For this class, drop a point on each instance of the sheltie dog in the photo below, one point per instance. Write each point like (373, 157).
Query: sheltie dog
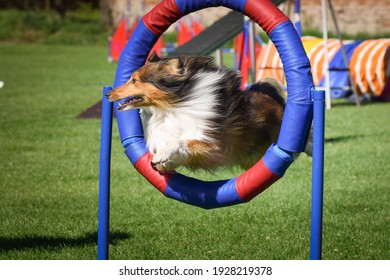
(194, 113)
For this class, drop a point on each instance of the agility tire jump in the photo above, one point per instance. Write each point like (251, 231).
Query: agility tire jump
(295, 125)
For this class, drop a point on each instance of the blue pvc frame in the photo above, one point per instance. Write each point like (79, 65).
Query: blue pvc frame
(298, 105)
(104, 177)
(317, 176)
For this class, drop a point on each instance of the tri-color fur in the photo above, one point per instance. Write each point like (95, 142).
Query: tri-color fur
(195, 114)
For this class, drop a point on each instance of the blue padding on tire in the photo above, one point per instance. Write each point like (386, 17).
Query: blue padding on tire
(293, 122)
(299, 109)
(203, 194)
(132, 140)
(277, 160)
(136, 149)
(187, 7)
(132, 58)
(135, 53)
(129, 125)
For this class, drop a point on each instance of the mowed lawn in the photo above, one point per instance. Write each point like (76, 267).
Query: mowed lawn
(49, 179)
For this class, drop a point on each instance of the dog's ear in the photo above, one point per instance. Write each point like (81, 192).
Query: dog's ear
(154, 57)
(174, 65)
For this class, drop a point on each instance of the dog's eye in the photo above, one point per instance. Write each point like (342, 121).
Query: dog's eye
(132, 81)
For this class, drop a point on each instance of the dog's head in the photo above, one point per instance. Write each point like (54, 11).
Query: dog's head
(160, 82)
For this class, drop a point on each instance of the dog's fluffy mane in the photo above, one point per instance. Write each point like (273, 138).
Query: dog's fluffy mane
(205, 102)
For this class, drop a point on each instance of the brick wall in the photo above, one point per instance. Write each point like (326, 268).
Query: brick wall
(353, 16)
(118, 8)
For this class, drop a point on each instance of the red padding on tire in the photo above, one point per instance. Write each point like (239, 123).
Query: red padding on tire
(265, 13)
(254, 181)
(163, 15)
(158, 180)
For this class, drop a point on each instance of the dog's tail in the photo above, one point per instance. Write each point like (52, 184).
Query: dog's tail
(272, 88)
(275, 90)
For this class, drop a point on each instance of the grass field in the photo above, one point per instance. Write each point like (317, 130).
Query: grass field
(49, 179)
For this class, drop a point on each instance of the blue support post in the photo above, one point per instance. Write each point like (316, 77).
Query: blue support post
(104, 177)
(317, 175)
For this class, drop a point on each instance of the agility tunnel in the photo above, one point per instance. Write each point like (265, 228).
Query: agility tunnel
(368, 66)
(302, 101)
(368, 61)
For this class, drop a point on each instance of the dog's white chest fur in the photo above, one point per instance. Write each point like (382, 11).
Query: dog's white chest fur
(164, 129)
(167, 131)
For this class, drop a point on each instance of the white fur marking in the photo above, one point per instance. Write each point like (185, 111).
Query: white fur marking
(165, 130)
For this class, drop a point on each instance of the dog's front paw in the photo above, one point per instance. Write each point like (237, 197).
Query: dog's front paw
(164, 167)
(168, 160)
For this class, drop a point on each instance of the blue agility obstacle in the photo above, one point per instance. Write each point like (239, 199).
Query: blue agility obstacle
(104, 177)
(294, 130)
(295, 125)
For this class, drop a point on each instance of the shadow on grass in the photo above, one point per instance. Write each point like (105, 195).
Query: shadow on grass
(47, 242)
(350, 102)
(343, 138)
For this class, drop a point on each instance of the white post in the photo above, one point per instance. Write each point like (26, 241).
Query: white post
(252, 50)
(219, 57)
(344, 53)
(326, 53)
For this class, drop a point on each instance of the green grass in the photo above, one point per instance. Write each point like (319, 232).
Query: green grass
(81, 27)
(49, 179)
